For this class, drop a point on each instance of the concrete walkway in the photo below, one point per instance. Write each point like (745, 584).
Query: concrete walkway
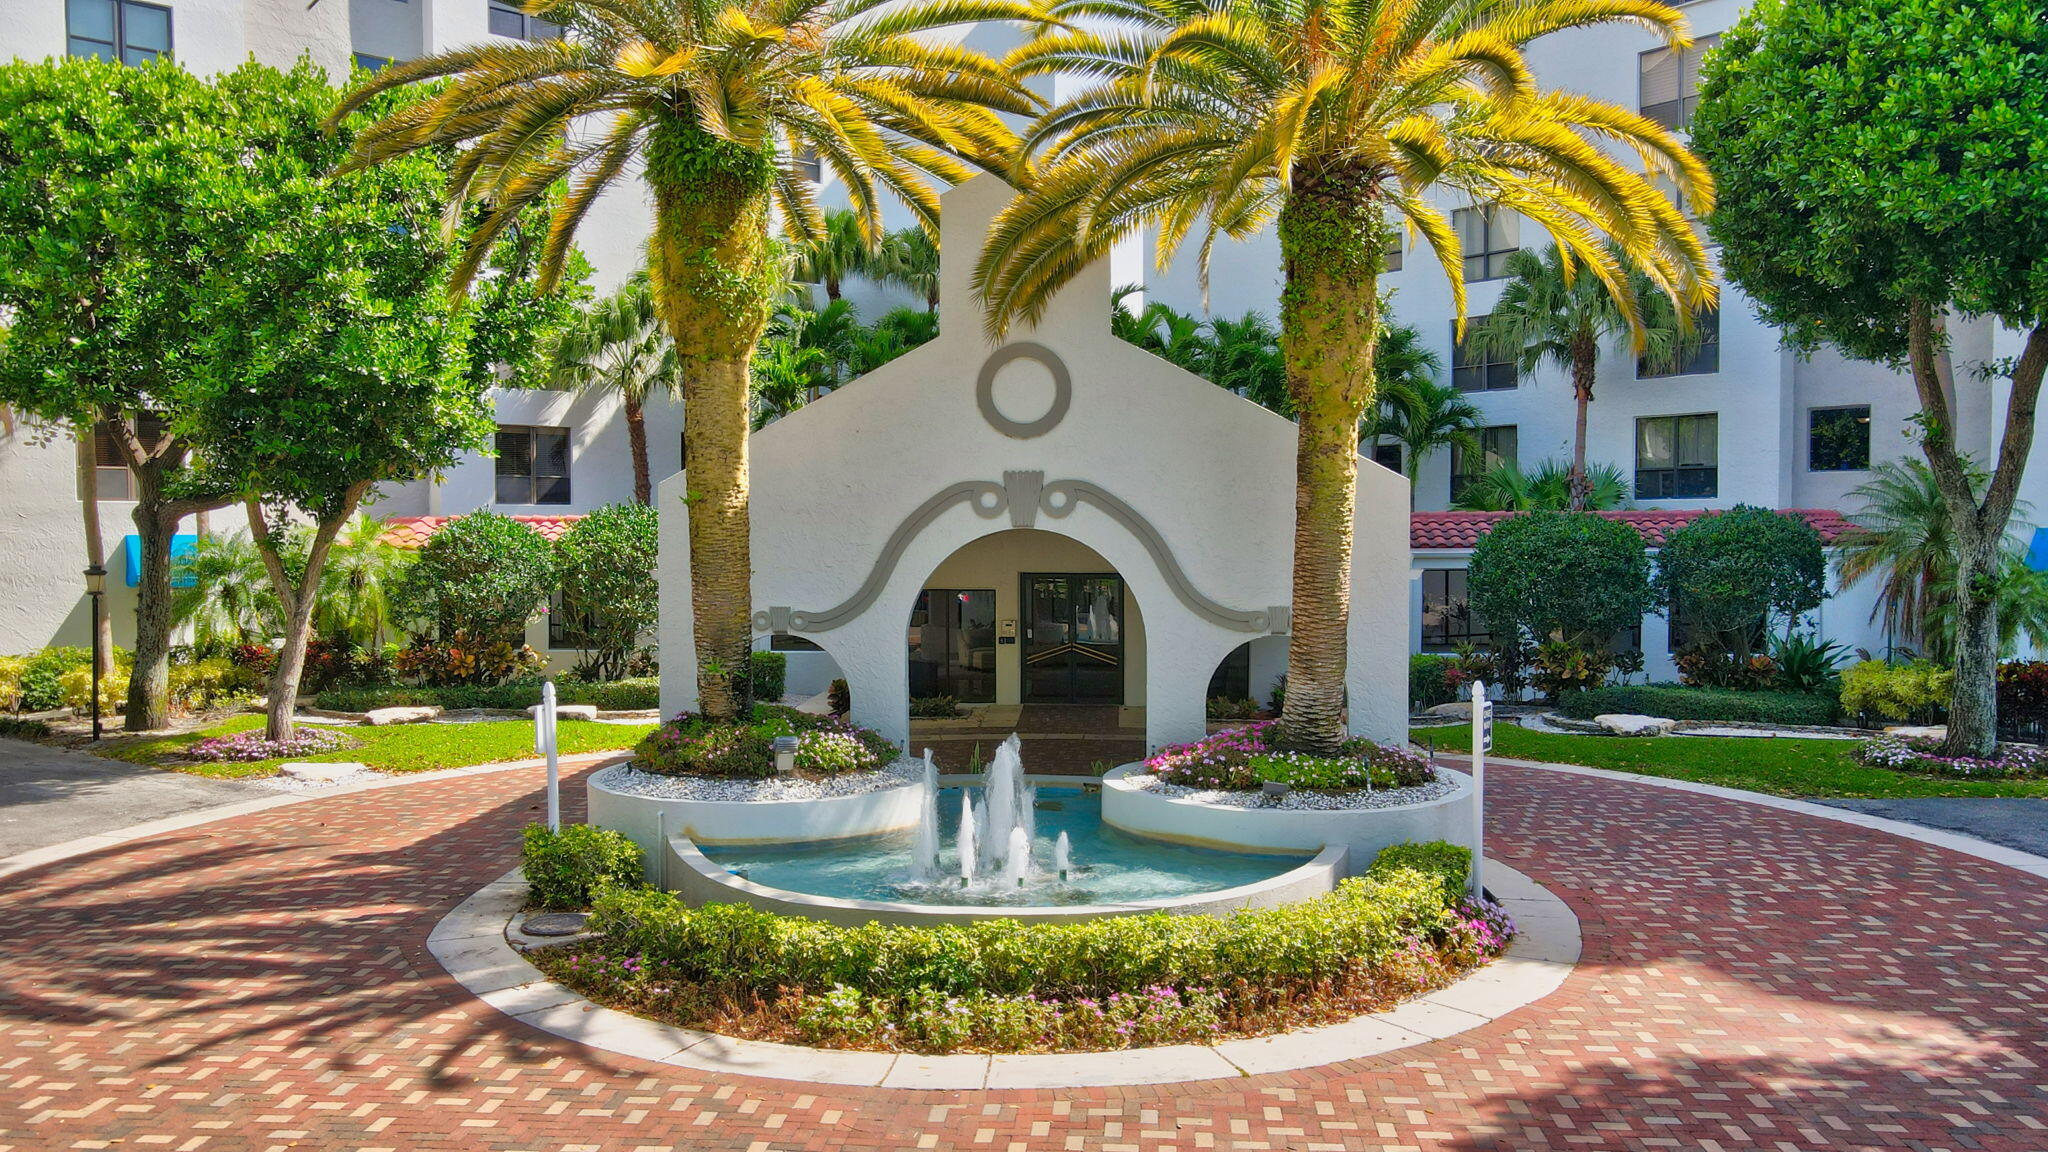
(2015, 822)
(50, 795)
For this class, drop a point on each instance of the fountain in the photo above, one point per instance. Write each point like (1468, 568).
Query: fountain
(1017, 862)
(1062, 857)
(967, 820)
(924, 848)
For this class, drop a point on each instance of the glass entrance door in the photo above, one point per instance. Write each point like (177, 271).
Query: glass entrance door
(1073, 638)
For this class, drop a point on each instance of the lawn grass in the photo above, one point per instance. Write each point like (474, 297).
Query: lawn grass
(1779, 766)
(398, 748)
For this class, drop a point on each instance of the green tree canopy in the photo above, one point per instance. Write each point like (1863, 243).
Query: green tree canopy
(606, 567)
(1728, 570)
(1572, 576)
(483, 576)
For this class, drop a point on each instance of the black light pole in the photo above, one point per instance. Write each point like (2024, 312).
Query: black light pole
(96, 587)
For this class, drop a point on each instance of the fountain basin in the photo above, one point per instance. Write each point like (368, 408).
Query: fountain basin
(1363, 831)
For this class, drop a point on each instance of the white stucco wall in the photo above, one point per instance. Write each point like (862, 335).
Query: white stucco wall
(1212, 473)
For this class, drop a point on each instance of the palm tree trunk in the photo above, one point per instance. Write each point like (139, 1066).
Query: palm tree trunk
(636, 436)
(1331, 240)
(714, 279)
(1585, 362)
(95, 544)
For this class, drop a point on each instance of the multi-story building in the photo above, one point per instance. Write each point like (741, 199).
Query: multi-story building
(1742, 421)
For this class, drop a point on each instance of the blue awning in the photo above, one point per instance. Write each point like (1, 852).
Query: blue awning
(181, 549)
(2037, 551)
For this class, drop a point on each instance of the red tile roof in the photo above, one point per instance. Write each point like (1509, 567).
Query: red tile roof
(1459, 531)
(414, 531)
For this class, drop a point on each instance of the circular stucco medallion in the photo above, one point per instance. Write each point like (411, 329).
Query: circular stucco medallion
(1062, 390)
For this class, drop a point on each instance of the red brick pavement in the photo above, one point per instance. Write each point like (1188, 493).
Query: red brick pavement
(1753, 979)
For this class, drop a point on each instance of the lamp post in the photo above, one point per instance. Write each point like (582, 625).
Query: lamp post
(96, 587)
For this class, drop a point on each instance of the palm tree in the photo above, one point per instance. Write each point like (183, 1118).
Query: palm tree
(910, 257)
(357, 584)
(1335, 121)
(1549, 312)
(620, 345)
(785, 374)
(1403, 367)
(2022, 598)
(1553, 487)
(842, 250)
(1244, 357)
(1425, 417)
(224, 593)
(709, 103)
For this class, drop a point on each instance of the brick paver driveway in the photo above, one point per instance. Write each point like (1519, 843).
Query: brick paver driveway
(1753, 979)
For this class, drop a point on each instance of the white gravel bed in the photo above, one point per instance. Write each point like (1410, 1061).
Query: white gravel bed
(1298, 800)
(294, 784)
(628, 779)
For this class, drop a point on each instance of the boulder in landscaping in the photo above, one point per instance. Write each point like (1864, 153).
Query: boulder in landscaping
(321, 773)
(1936, 732)
(1454, 708)
(1625, 724)
(412, 714)
(568, 711)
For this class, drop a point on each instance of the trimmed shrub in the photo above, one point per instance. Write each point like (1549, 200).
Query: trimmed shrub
(1365, 921)
(19, 729)
(482, 576)
(11, 668)
(692, 745)
(606, 566)
(1450, 863)
(1677, 702)
(768, 674)
(572, 868)
(1433, 680)
(42, 677)
(1895, 691)
(839, 697)
(1241, 759)
(516, 695)
(1574, 575)
(1731, 569)
(934, 708)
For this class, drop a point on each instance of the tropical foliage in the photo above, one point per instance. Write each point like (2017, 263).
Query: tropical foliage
(1337, 124)
(482, 577)
(606, 568)
(805, 354)
(1506, 488)
(1880, 168)
(711, 105)
(619, 346)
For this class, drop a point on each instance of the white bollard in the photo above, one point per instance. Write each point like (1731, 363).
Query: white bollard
(544, 735)
(1482, 743)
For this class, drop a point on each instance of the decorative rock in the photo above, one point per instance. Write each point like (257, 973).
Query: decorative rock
(568, 711)
(555, 924)
(418, 714)
(321, 773)
(1918, 731)
(1454, 708)
(1627, 724)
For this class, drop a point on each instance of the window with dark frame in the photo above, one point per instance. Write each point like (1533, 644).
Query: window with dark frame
(1497, 445)
(807, 166)
(371, 63)
(1695, 357)
(1387, 456)
(1838, 439)
(1447, 619)
(952, 645)
(533, 465)
(1475, 367)
(123, 30)
(1487, 235)
(1391, 259)
(785, 642)
(1678, 457)
(506, 19)
(1669, 82)
(111, 477)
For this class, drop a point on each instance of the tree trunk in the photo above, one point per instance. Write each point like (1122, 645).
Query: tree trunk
(149, 681)
(95, 543)
(298, 604)
(714, 281)
(1973, 701)
(636, 436)
(1585, 363)
(1331, 240)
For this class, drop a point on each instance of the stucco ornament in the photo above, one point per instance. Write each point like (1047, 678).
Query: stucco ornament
(1062, 390)
(1024, 496)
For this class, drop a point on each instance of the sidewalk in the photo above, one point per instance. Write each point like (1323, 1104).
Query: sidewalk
(50, 795)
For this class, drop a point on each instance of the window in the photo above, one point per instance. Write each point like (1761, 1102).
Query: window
(533, 465)
(118, 30)
(807, 167)
(1232, 679)
(1479, 369)
(508, 20)
(1670, 82)
(953, 645)
(1447, 620)
(1391, 259)
(567, 627)
(111, 477)
(1387, 456)
(1677, 457)
(371, 63)
(1694, 357)
(682, 451)
(1496, 447)
(1488, 235)
(1838, 439)
(784, 642)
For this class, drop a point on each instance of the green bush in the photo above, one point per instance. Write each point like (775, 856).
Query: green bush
(75, 689)
(769, 674)
(826, 745)
(606, 567)
(1365, 921)
(934, 708)
(42, 677)
(1678, 702)
(11, 668)
(19, 729)
(570, 869)
(517, 695)
(214, 682)
(636, 694)
(1226, 708)
(1895, 691)
(1433, 680)
(1450, 863)
(482, 576)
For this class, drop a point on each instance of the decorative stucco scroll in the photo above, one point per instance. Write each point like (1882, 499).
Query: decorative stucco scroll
(1024, 495)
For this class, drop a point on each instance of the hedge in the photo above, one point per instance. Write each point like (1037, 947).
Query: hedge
(611, 696)
(1365, 921)
(1678, 702)
(568, 869)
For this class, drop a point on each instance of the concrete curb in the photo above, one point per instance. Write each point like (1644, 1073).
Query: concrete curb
(480, 946)
(50, 854)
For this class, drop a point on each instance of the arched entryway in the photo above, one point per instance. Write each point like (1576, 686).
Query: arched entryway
(1034, 632)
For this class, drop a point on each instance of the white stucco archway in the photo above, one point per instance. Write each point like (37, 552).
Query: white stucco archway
(1185, 489)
